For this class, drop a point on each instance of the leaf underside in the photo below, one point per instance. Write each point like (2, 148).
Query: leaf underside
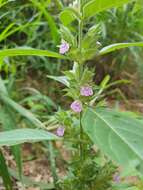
(119, 135)
(19, 136)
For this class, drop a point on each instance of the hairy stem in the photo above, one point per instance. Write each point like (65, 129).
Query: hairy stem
(81, 71)
(81, 140)
(80, 26)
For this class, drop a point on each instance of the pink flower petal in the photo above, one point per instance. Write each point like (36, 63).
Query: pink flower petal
(76, 106)
(60, 131)
(64, 47)
(86, 91)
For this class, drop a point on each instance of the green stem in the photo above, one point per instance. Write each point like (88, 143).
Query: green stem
(80, 36)
(80, 26)
(81, 140)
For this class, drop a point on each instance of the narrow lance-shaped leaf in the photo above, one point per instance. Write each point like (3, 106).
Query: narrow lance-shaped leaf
(13, 28)
(19, 136)
(37, 96)
(117, 46)
(61, 79)
(95, 6)
(30, 52)
(21, 110)
(119, 135)
(8, 121)
(4, 173)
(52, 24)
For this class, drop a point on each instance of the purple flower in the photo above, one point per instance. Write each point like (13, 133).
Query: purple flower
(86, 91)
(64, 47)
(60, 131)
(76, 106)
(116, 178)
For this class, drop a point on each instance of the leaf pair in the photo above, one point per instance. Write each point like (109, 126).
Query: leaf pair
(90, 8)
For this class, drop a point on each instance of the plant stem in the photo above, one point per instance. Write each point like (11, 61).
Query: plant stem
(80, 35)
(80, 27)
(81, 71)
(81, 140)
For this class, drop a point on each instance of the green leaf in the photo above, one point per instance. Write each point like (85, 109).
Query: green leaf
(95, 6)
(91, 37)
(68, 15)
(21, 110)
(13, 28)
(7, 118)
(4, 173)
(29, 51)
(105, 81)
(118, 134)
(125, 186)
(16, 151)
(8, 123)
(3, 2)
(61, 79)
(19, 136)
(67, 36)
(138, 5)
(3, 87)
(52, 24)
(118, 46)
(38, 96)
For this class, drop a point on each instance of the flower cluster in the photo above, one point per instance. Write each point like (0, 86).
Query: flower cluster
(76, 106)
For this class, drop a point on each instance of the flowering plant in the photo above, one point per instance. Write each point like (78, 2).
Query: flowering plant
(95, 123)
(98, 138)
